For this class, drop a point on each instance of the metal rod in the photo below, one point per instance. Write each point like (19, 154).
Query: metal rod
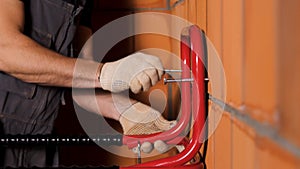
(178, 71)
(177, 80)
(181, 80)
(172, 71)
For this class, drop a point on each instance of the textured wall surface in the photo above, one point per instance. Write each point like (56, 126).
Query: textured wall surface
(258, 44)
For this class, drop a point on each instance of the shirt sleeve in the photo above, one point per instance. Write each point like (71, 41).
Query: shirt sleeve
(86, 17)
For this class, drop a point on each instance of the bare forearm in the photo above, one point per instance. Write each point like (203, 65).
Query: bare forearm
(101, 102)
(25, 59)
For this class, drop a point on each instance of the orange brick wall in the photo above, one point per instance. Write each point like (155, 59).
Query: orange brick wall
(258, 43)
(288, 64)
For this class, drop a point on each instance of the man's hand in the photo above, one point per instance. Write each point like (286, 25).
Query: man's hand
(137, 72)
(141, 119)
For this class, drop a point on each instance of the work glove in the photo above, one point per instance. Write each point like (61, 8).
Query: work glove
(140, 119)
(137, 72)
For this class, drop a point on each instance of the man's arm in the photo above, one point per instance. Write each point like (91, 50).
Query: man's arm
(102, 102)
(98, 101)
(25, 59)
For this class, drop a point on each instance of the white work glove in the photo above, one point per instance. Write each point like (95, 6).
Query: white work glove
(137, 72)
(140, 119)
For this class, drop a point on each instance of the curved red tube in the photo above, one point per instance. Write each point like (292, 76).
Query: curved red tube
(178, 130)
(193, 56)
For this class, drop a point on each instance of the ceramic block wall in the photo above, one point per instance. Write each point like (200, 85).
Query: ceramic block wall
(257, 42)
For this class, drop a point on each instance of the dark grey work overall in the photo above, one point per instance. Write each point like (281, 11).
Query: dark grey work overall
(29, 108)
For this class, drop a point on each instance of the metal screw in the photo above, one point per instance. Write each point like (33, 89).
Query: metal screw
(172, 71)
(139, 155)
(177, 80)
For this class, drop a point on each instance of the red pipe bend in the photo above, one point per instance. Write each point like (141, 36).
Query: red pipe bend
(193, 58)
